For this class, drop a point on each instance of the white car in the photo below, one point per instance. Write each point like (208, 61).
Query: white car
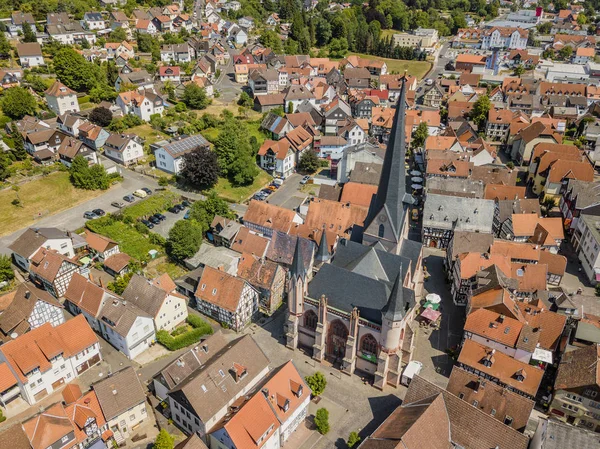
(140, 193)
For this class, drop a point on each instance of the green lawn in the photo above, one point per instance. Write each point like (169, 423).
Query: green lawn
(415, 68)
(211, 134)
(146, 132)
(164, 265)
(390, 32)
(158, 202)
(44, 196)
(130, 241)
(225, 190)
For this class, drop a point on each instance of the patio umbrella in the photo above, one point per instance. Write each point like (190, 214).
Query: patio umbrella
(416, 179)
(415, 173)
(433, 298)
(417, 186)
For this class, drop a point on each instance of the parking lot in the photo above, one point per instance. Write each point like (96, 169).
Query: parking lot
(289, 194)
(165, 226)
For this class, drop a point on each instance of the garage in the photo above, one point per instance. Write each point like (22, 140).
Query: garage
(91, 362)
(40, 395)
(58, 383)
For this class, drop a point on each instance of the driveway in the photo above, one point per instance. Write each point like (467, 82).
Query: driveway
(165, 226)
(289, 194)
(72, 219)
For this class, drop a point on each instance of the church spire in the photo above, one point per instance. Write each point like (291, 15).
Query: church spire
(297, 268)
(391, 193)
(395, 309)
(323, 254)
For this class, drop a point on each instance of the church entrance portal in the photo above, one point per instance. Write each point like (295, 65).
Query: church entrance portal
(336, 339)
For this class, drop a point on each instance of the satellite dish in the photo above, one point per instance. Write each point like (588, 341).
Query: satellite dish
(14, 335)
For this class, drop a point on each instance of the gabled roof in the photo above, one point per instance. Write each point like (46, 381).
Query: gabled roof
(33, 238)
(58, 89)
(220, 288)
(119, 392)
(579, 368)
(46, 263)
(49, 427)
(145, 294)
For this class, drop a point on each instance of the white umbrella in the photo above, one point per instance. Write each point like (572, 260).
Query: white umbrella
(433, 298)
(416, 179)
(415, 173)
(417, 186)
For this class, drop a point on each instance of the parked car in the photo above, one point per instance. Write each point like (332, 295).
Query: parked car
(186, 203)
(147, 224)
(272, 187)
(305, 180)
(267, 192)
(260, 196)
(140, 193)
(99, 212)
(154, 220)
(278, 182)
(187, 215)
(147, 190)
(161, 217)
(129, 198)
(174, 210)
(89, 215)
(118, 204)
(180, 207)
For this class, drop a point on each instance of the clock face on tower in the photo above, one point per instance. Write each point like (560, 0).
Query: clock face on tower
(382, 218)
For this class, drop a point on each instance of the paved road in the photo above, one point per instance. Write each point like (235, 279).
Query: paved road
(289, 194)
(72, 219)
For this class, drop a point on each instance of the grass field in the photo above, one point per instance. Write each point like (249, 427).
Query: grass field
(225, 190)
(158, 202)
(386, 33)
(46, 196)
(146, 132)
(211, 134)
(130, 241)
(163, 265)
(415, 68)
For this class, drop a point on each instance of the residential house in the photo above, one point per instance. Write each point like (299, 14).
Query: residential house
(169, 155)
(139, 78)
(577, 389)
(547, 232)
(123, 49)
(263, 82)
(27, 308)
(27, 244)
(267, 277)
(579, 196)
(123, 148)
(93, 136)
(159, 299)
(504, 38)
(360, 153)
(52, 270)
(71, 148)
(30, 54)
(550, 433)
(528, 137)
(227, 376)
(433, 96)
(142, 104)
(69, 123)
(145, 26)
(500, 368)
(277, 157)
(248, 242)
(226, 298)
(443, 215)
(168, 73)
(47, 357)
(445, 419)
(273, 413)
(87, 298)
(93, 21)
(117, 265)
(101, 246)
(123, 402)
(263, 218)
(178, 53)
(61, 99)
(17, 19)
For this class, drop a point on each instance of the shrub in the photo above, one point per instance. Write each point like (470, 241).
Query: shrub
(510, 165)
(157, 239)
(317, 383)
(353, 439)
(322, 421)
(200, 328)
(141, 228)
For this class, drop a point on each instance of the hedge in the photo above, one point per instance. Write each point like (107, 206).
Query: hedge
(200, 326)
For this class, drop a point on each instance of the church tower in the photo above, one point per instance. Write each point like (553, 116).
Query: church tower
(296, 290)
(323, 255)
(389, 362)
(387, 218)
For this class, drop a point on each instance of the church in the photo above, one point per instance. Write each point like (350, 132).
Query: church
(357, 311)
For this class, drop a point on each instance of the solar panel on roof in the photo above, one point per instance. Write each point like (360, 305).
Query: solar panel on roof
(181, 146)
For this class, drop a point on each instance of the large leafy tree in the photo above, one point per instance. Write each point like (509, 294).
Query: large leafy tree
(75, 71)
(309, 162)
(185, 238)
(28, 33)
(205, 211)
(5, 47)
(163, 440)
(235, 152)
(101, 116)
(17, 102)
(270, 39)
(421, 135)
(89, 178)
(479, 113)
(317, 383)
(6, 271)
(195, 97)
(201, 167)
(19, 145)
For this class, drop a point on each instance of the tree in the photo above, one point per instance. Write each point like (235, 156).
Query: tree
(102, 92)
(201, 168)
(245, 100)
(6, 271)
(322, 421)
(163, 440)
(237, 157)
(120, 283)
(421, 135)
(89, 178)
(270, 39)
(565, 53)
(19, 145)
(101, 116)
(28, 33)
(317, 383)
(163, 181)
(519, 70)
(17, 102)
(309, 162)
(195, 97)
(118, 35)
(481, 108)
(185, 238)
(5, 47)
(205, 211)
(353, 439)
(75, 71)
(338, 48)
(290, 107)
